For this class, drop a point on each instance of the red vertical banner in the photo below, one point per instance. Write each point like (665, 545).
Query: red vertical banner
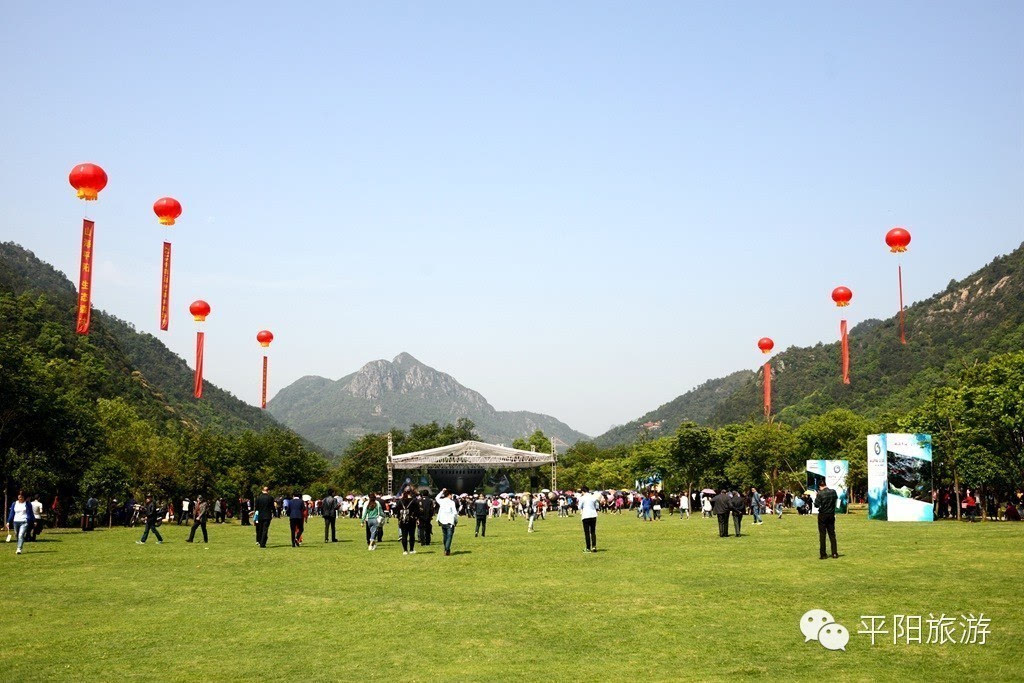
(903, 335)
(199, 365)
(85, 278)
(845, 342)
(767, 390)
(165, 289)
(263, 396)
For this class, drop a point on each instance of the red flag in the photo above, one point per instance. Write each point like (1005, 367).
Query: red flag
(165, 288)
(199, 365)
(767, 390)
(845, 341)
(85, 278)
(263, 401)
(903, 336)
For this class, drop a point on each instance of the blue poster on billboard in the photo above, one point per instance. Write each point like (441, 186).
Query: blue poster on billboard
(834, 474)
(900, 477)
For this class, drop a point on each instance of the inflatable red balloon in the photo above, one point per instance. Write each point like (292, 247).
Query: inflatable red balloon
(264, 337)
(842, 296)
(167, 209)
(199, 310)
(765, 344)
(88, 180)
(898, 240)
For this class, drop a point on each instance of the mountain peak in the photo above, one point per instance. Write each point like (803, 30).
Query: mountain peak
(405, 358)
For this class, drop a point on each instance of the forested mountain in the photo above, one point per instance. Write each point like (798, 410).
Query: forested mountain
(135, 365)
(696, 405)
(970, 321)
(396, 394)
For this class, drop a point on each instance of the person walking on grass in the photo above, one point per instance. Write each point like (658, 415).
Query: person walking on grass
(21, 516)
(152, 514)
(447, 517)
(588, 506)
(720, 507)
(737, 505)
(372, 517)
(426, 517)
(825, 501)
(329, 511)
(684, 506)
(755, 505)
(408, 511)
(200, 511)
(264, 513)
(531, 512)
(296, 512)
(186, 506)
(480, 509)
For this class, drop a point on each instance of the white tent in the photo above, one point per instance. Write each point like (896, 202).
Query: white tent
(467, 454)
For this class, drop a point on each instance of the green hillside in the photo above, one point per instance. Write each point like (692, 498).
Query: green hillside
(970, 321)
(696, 405)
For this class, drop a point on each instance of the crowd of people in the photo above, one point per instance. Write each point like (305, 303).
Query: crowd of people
(415, 512)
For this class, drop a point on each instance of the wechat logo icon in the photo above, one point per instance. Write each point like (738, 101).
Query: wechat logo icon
(819, 625)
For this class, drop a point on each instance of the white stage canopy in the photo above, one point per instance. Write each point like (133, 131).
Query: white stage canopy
(471, 454)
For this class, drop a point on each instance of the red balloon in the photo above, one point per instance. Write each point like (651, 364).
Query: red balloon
(842, 296)
(898, 239)
(88, 179)
(167, 209)
(765, 344)
(264, 337)
(199, 310)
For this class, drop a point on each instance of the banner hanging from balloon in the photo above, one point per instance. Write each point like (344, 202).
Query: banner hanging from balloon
(898, 239)
(264, 337)
(88, 180)
(845, 343)
(167, 209)
(85, 278)
(766, 345)
(842, 296)
(165, 289)
(198, 384)
(199, 310)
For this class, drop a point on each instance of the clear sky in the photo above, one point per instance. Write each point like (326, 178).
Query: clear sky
(583, 209)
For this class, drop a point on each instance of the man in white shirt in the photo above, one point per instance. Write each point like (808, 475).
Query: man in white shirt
(589, 506)
(37, 512)
(447, 517)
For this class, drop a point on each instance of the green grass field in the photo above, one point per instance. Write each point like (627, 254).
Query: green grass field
(663, 601)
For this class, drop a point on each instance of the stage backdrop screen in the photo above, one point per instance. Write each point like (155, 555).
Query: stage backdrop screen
(834, 473)
(900, 477)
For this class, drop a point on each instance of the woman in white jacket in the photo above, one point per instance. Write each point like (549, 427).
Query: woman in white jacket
(447, 517)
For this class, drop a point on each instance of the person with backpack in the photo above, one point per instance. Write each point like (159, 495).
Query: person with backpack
(265, 507)
(329, 511)
(372, 517)
(425, 517)
(408, 511)
(152, 514)
(296, 512)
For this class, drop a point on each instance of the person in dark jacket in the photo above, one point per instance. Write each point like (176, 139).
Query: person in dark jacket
(825, 501)
(737, 505)
(20, 518)
(244, 507)
(329, 511)
(408, 512)
(200, 511)
(480, 509)
(720, 507)
(295, 509)
(264, 513)
(152, 514)
(426, 515)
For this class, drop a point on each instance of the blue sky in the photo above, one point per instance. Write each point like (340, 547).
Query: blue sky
(582, 209)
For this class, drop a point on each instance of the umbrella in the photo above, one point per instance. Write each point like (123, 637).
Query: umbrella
(306, 497)
(708, 491)
(350, 497)
(545, 490)
(504, 495)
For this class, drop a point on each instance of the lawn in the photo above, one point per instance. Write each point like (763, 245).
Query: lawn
(663, 601)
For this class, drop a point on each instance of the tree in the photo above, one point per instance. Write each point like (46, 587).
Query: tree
(692, 453)
(764, 451)
(108, 477)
